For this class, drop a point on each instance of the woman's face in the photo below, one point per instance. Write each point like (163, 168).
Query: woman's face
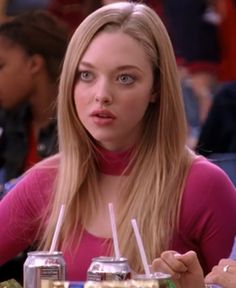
(15, 74)
(113, 89)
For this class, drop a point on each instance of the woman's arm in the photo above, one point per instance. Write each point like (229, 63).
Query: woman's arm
(207, 216)
(21, 211)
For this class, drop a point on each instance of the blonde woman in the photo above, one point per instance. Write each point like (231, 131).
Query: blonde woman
(122, 135)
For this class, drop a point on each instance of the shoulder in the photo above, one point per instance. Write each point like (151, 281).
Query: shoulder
(32, 192)
(208, 191)
(205, 170)
(38, 182)
(205, 180)
(44, 171)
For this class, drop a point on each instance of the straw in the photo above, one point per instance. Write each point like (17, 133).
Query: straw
(114, 230)
(141, 248)
(57, 230)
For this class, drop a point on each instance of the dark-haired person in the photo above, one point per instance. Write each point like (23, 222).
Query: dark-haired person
(32, 48)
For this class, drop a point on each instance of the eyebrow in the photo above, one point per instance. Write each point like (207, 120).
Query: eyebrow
(120, 68)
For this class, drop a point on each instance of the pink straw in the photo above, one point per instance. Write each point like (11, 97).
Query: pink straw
(57, 230)
(141, 248)
(114, 230)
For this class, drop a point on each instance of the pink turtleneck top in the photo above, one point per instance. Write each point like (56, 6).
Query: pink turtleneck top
(207, 219)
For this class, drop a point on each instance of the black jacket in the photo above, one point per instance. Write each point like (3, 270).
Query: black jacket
(218, 133)
(14, 140)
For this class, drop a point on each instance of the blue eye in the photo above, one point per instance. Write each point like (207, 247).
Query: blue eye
(85, 75)
(126, 79)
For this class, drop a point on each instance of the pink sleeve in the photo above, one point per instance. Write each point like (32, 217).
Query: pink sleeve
(208, 216)
(19, 216)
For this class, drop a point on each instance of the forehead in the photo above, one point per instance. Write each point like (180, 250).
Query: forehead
(118, 47)
(5, 42)
(8, 47)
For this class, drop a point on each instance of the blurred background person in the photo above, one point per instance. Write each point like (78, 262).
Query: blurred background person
(218, 133)
(202, 32)
(32, 48)
(217, 139)
(196, 45)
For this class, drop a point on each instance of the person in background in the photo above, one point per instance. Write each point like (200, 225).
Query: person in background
(32, 47)
(217, 139)
(207, 59)
(196, 45)
(218, 133)
(122, 139)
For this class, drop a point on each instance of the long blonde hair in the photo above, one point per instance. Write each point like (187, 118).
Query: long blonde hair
(152, 191)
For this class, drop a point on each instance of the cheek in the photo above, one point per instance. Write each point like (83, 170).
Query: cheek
(24, 86)
(139, 103)
(16, 85)
(133, 111)
(80, 100)
(21, 77)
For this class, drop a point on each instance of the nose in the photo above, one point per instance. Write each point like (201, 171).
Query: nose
(103, 92)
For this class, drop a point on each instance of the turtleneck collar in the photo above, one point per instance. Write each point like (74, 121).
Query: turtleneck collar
(113, 162)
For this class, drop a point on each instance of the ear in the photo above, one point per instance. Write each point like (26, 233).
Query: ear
(37, 63)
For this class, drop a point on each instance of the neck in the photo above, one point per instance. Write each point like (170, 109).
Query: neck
(113, 163)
